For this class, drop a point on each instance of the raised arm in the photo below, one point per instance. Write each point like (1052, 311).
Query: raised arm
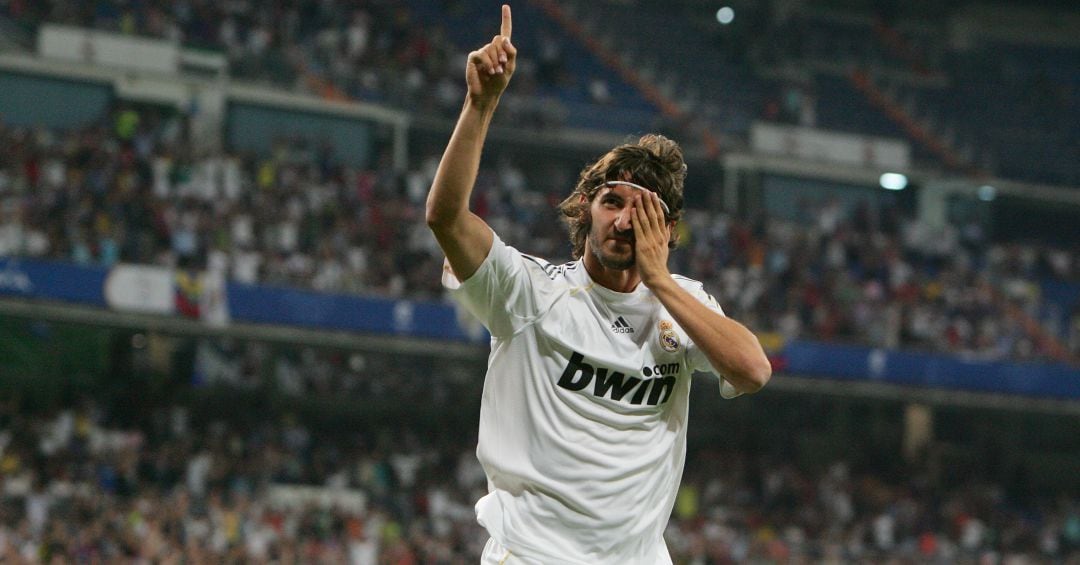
(464, 236)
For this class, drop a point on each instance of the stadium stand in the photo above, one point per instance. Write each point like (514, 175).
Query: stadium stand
(221, 468)
(179, 444)
(296, 219)
(230, 473)
(994, 103)
(334, 50)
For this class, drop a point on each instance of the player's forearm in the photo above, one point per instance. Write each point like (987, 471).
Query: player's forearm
(731, 348)
(448, 200)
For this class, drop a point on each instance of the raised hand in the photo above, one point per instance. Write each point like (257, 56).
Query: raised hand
(489, 68)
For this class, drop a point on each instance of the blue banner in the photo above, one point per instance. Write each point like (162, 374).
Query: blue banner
(286, 306)
(929, 370)
(28, 278)
(154, 289)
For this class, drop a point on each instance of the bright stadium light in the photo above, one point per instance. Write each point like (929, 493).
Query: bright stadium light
(725, 15)
(987, 193)
(893, 181)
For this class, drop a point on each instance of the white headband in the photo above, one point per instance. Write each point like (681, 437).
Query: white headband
(639, 187)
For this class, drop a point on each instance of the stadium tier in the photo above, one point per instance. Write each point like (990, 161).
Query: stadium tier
(223, 335)
(840, 271)
(171, 447)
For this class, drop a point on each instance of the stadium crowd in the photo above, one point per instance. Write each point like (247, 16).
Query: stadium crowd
(411, 60)
(135, 190)
(332, 49)
(75, 486)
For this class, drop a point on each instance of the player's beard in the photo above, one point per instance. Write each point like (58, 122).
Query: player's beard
(609, 260)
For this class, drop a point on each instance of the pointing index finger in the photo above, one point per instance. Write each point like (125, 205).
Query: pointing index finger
(506, 24)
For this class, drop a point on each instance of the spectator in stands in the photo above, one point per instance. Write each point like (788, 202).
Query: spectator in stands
(286, 219)
(77, 486)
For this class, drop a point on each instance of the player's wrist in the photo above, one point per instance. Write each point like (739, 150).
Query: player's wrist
(659, 282)
(485, 104)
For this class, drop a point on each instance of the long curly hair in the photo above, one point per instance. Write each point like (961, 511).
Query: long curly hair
(654, 162)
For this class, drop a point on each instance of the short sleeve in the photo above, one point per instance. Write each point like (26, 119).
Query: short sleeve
(509, 291)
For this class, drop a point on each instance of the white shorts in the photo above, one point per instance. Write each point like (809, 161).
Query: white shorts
(496, 554)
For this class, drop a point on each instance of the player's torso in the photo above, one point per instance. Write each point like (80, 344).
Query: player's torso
(583, 425)
(628, 357)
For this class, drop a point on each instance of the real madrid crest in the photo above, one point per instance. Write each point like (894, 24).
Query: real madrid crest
(669, 340)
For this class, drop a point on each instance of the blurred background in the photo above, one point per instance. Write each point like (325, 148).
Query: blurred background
(222, 335)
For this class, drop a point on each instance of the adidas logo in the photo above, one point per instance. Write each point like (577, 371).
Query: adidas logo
(620, 326)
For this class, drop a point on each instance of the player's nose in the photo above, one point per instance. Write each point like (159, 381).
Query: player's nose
(622, 220)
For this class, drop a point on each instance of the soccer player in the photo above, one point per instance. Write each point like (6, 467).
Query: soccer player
(584, 411)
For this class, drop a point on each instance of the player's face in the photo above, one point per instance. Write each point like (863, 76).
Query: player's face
(611, 236)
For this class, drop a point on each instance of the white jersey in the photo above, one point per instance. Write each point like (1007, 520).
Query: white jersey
(583, 417)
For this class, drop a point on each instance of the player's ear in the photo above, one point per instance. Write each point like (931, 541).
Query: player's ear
(583, 199)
